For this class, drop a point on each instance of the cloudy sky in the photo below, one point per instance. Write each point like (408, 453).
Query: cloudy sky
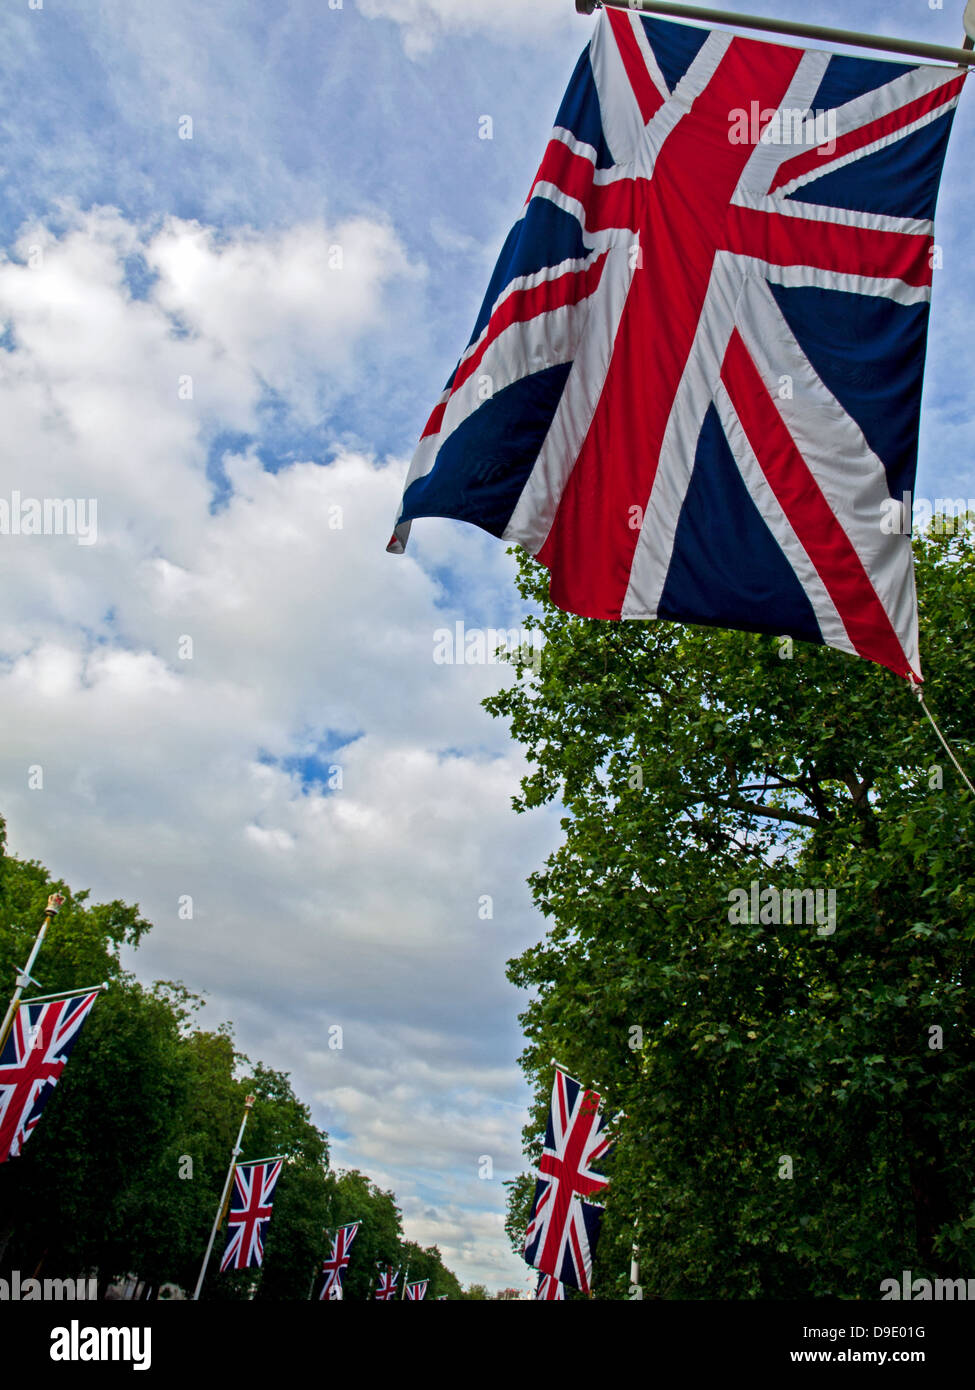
(241, 246)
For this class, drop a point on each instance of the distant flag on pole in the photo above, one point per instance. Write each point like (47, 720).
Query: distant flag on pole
(549, 1287)
(386, 1288)
(562, 1228)
(34, 1055)
(693, 389)
(417, 1290)
(250, 1213)
(335, 1266)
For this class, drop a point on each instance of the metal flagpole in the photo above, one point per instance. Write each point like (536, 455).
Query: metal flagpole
(912, 47)
(271, 1158)
(24, 977)
(327, 1233)
(596, 1086)
(64, 994)
(249, 1101)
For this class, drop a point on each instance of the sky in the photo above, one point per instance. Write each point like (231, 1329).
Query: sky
(241, 247)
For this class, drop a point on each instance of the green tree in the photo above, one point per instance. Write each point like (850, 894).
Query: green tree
(797, 1097)
(124, 1173)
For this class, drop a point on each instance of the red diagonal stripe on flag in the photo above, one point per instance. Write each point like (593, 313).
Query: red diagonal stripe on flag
(809, 514)
(570, 172)
(645, 90)
(866, 134)
(590, 548)
(524, 305)
(521, 306)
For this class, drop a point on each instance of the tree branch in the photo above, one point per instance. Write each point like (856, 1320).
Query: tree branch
(758, 809)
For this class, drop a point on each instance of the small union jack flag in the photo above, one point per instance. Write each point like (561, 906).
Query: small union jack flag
(418, 1290)
(693, 389)
(34, 1056)
(335, 1266)
(562, 1228)
(386, 1289)
(549, 1287)
(250, 1213)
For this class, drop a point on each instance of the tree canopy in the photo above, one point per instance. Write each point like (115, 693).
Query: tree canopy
(124, 1172)
(794, 1095)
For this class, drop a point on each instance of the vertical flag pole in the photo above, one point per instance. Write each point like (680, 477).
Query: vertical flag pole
(311, 1287)
(24, 977)
(223, 1199)
(635, 1272)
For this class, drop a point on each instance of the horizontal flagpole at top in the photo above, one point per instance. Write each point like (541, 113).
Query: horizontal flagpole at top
(912, 47)
(249, 1162)
(63, 994)
(594, 1086)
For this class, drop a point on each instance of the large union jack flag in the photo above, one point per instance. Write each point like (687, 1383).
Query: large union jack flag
(338, 1262)
(34, 1056)
(693, 389)
(250, 1212)
(562, 1227)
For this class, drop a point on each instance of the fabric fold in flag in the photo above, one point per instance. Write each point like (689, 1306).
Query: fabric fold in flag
(693, 389)
(549, 1288)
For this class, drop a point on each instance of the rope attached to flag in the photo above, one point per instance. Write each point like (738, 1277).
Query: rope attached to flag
(944, 742)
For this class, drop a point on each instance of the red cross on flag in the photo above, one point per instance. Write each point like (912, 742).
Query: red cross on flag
(33, 1057)
(250, 1212)
(693, 390)
(563, 1228)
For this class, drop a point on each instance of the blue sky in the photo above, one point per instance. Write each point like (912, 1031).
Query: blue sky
(210, 260)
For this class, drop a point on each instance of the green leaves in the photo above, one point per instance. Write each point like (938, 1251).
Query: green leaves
(762, 1040)
(126, 1168)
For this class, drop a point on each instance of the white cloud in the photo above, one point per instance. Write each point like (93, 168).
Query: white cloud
(288, 305)
(426, 22)
(169, 772)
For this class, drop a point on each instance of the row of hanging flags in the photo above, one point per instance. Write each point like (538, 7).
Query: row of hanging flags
(250, 1213)
(33, 1055)
(39, 1041)
(562, 1229)
(693, 388)
(386, 1288)
(36, 1040)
